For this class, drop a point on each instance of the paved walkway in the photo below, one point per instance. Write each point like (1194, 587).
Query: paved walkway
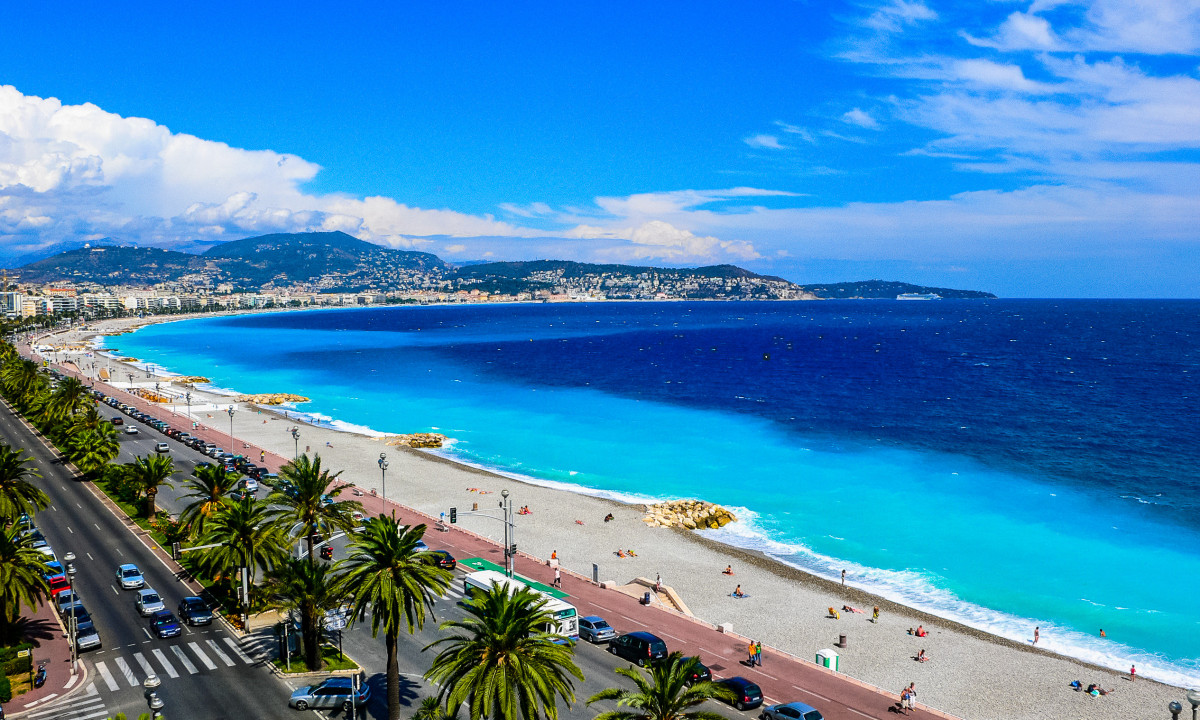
(52, 648)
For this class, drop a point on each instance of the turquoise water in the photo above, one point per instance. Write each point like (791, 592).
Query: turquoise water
(991, 544)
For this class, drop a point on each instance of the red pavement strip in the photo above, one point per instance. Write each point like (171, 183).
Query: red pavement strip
(792, 678)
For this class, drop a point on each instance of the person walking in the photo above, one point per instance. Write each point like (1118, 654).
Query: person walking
(758, 653)
(658, 583)
(557, 577)
(1036, 634)
(905, 701)
(750, 652)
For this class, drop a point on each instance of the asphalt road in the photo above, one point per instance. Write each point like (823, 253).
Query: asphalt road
(206, 673)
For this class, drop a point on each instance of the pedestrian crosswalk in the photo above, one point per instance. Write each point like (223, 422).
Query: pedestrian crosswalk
(87, 705)
(211, 654)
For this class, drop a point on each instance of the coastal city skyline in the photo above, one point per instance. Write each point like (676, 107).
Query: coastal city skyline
(1042, 149)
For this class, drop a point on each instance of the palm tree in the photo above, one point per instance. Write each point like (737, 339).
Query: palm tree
(93, 450)
(210, 488)
(432, 709)
(23, 380)
(386, 571)
(21, 578)
(501, 662)
(69, 398)
(307, 507)
(17, 495)
(666, 695)
(148, 473)
(306, 590)
(245, 536)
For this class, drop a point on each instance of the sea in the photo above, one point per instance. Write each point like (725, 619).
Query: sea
(1002, 463)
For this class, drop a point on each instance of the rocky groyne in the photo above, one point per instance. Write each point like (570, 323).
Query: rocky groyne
(271, 398)
(418, 440)
(688, 514)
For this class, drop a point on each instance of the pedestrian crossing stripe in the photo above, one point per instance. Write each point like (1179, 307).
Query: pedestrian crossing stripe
(86, 706)
(111, 679)
(126, 671)
(183, 658)
(237, 651)
(203, 658)
(162, 660)
(217, 650)
(107, 676)
(146, 668)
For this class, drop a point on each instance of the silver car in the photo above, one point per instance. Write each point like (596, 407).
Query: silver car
(148, 602)
(130, 577)
(595, 629)
(87, 638)
(66, 600)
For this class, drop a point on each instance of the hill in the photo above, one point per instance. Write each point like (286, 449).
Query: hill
(116, 266)
(887, 289)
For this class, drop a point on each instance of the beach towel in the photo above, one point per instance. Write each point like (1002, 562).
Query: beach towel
(743, 596)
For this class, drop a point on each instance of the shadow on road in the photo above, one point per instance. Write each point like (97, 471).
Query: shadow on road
(376, 709)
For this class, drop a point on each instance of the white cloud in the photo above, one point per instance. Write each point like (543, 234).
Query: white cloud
(767, 142)
(72, 169)
(860, 118)
(897, 15)
(660, 241)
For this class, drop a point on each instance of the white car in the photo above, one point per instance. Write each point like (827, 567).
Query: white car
(148, 602)
(162, 448)
(131, 430)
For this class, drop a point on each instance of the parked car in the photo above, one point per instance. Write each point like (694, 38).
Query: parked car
(334, 692)
(595, 629)
(58, 584)
(194, 611)
(131, 430)
(239, 495)
(249, 484)
(747, 695)
(445, 560)
(66, 600)
(700, 673)
(639, 647)
(148, 602)
(87, 638)
(791, 711)
(203, 464)
(130, 577)
(164, 625)
(82, 617)
(162, 448)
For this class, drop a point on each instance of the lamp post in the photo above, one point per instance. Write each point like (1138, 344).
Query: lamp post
(155, 703)
(130, 375)
(383, 466)
(188, 398)
(230, 411)
(72, 620)
(510, 543)
(1193, 697)
(156, 395)
(296, 440)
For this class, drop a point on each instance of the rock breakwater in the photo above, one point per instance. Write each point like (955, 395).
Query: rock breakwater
(418, 440)
(271, 398)
(688, 514)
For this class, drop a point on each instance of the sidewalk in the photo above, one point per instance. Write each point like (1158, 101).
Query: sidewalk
(49, 647)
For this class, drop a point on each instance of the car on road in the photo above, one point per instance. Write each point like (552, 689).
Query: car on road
(162, 448)
(148, 602)
(334, 692)
(700, 673)
(53, 569)
(445, 560)
(87, 638)
(791, 711)
(249, 484)
(81, 615)
(639, 647)
(118, 420)
(203, 464)
(240, 495)
(58, 584)
(595, 629)
(131, 430)
(130, 577)
(66, 600)
(747, 695)
(194, 611)
(164, 625)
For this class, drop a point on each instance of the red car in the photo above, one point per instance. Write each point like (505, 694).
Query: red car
(59, 583)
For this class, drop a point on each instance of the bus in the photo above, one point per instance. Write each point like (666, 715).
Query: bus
(566, 618)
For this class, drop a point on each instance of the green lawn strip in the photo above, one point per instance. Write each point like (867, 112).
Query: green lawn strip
(328, 652)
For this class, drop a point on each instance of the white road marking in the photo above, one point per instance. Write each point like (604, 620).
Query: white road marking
(77, 504)
(116, 548)
(115, 590)
(147, 634)
(216, 649)
(126, 671)
(162, 659)
(187, 664)
(70, 530)
(203, 658)
(96, 526)
(238, 651)
(109, 680)
(146, 666)
(89, 556)
(54, 508)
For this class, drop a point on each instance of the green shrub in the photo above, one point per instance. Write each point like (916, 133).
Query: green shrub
(5, 689)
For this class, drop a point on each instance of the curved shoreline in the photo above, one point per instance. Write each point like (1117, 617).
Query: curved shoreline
(787, 574)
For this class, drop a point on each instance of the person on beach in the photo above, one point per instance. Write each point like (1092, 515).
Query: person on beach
(658, 583)
(1132, 673)
(921, 656)
(608, 517)
(1102, 633)
(875, 615)
(737, 592)
(843, 578)
(728, 570)
(1036, 635)
(553, 554)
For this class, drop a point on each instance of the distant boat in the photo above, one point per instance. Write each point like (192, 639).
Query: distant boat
(918, 296)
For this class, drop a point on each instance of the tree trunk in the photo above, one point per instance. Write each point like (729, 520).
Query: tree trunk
(393, 676)
(312, 643)
(150, 496)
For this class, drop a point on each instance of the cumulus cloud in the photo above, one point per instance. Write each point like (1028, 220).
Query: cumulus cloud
(660, 241)
(72, 170)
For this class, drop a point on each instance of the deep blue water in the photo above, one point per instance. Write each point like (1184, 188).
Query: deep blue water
(1006, 463)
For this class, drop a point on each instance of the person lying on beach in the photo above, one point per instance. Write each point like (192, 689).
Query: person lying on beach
(847, 608)
(728, 570)
(630, 553)
(580, 522)
(620, 553)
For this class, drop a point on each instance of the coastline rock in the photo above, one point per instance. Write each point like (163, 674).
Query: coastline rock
(418, 440)
(190, 380)
(688, 514)
(271, 398)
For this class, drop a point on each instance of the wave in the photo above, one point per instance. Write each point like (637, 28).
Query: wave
(920, 590)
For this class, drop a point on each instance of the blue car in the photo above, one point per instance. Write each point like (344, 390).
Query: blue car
(791, 711)
(164, 624)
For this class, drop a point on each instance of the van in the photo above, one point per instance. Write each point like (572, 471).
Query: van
(639, 647)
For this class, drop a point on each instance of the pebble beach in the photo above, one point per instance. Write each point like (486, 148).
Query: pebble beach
(970, 674)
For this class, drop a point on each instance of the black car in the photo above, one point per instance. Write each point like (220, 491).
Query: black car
(747, 695)
(118, 420)
(639, 647)
(445, 560)
(700, 673)
(194, 611)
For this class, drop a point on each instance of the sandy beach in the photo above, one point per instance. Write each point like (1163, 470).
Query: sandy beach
(970, 674)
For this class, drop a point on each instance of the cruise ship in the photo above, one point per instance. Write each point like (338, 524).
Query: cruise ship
(918, 296)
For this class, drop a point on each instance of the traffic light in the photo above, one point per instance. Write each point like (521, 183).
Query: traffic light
(453, 515)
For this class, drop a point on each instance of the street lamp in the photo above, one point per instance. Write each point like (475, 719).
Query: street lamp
(130, 381)
(72, 619)
(383, 466)
(510, 544)
(156, 395)
(296, 440)
(230, 411)
(155, 703)
(188, 398)
(1193, 697)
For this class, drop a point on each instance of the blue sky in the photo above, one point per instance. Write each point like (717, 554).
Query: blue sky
(1029, 148)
